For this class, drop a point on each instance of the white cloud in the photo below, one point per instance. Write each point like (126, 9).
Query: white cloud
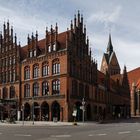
(106, 17)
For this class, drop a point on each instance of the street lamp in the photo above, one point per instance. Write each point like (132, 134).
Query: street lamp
(33, 109)
(23, 114)
(83, 108)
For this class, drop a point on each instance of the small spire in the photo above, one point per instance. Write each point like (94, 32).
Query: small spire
(51, 28)
(15, 38)
(32, 35)
(84, 29)
(78, 16)
(56, 28)
(74, 20)
(28, 39)
(82, 18)
(87, 41)
(71, 25)
(36, 35)
(46, 29)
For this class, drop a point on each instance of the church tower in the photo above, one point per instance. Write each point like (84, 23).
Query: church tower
(109, 61)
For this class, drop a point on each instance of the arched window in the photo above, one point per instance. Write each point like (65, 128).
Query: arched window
(27, 90)
(45, 69)
(35, 89)
(14, 60)
(56, 66)
(49, 48)
(14, 75)
(45, 88)
(35, 71)
(26, 72)
(5, 93)
(54, 47)
(12, 92)
(56, 86)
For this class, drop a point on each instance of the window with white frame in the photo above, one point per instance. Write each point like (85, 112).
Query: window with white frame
(45, 88)
(54, 47)
(56, 66)
(45, 69)
(56, 86)
(35, 89)
(30, 54)
(27, 90)
(34, 52)
(35, 71)
(49, 48)
(26, 72)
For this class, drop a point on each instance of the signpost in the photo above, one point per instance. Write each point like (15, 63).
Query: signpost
(83, 108)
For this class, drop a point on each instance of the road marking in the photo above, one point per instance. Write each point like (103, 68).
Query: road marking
(102, 134)
(138, 130)
(22, 135)
(61, 136)
(124, 132)
(90, 135)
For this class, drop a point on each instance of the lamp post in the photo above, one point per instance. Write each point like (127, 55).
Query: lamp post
(23, 114)
(33, 110)
(83, 108)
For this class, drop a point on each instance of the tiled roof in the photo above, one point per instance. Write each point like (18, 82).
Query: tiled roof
(134, 76)
(61, 40)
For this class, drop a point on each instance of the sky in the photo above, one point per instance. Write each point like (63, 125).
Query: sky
(121, 18)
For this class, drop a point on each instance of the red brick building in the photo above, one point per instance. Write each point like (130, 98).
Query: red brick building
(134, 82)
(53, 77)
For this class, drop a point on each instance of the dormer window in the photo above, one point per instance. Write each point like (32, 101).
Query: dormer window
(54, 47)
(49, 48)
(34, 52)
(30, 54)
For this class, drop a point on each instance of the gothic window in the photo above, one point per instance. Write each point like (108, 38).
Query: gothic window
(34, 52)
(10, 60)
(30, 54)
(27, 90)
(45, 88)
(10, 76)
(14, 75)
(35, 89)
(54, 47)
(14, 60)
(35, 71)
(56, 66)
(5, 93)
(45, 69)
(26, 72)
(49, 48)
(56, 87)
(12, 92)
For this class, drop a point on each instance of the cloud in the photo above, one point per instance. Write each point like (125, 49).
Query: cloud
(104, 17)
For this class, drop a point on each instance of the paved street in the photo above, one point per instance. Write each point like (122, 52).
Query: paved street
(129, 130)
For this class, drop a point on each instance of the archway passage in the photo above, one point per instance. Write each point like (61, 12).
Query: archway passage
(55, 111)
(36, 111)
(88, 112)
(27, 110)
(79, 111)
(44, 111)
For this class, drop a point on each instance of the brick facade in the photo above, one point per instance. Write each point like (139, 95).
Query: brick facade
(55, 74)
